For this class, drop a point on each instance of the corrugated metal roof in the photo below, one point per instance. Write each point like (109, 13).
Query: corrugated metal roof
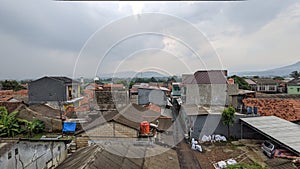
(121, 155)
(282, 131)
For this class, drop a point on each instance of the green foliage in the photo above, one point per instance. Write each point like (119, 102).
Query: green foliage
(241, 82)
(9, 126)
(278, 78)
(228, 118)
(245, 166)
(295, 74)
(11, 85)
(34, 127)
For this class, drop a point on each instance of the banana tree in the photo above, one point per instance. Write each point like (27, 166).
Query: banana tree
(9, 126)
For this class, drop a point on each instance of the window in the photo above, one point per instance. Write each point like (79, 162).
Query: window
(58, 148)
(16, 151)
(272, 88)
(298, 89)
(9, 155)
(262, 88)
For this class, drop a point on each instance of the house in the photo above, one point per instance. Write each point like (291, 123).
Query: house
(237, 98)
(53, 89)
(251, 83)
(93, 86)
(205, 87)
(122, 124)
(30, 153)
(265, 85)
(107, 100)
(152, 94)
(112, 86)
(293, 86)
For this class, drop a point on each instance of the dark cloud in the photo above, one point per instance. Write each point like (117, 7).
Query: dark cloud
(54, 24)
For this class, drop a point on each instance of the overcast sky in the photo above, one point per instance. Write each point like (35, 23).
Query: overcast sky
(50, 38)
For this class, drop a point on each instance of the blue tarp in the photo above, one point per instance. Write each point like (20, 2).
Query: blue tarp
(69, 127)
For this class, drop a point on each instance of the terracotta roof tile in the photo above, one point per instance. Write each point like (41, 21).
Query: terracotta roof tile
(288, 109)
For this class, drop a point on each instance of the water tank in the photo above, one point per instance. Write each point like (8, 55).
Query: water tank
(145, 127)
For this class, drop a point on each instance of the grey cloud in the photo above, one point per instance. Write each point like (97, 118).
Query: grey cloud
(254, 14)
(53, 24)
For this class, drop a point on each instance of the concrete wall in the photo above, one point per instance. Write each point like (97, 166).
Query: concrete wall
(293, 89)
(206, 94)
(34, 155)
(107, 131)
(212, 124)
(46, 89)
(146, 96)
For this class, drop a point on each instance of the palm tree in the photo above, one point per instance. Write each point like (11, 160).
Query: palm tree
(295, 74)
(8, 123)
(228, 118)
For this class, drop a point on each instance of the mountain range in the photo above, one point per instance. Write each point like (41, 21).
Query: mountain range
(131, 74)
(281, 71)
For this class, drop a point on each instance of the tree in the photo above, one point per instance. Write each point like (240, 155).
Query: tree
(153, 79)
(295, 74)
(278, 78)
(228, 118)
(241, 82)
(8, 123)
(35, 126)
(11, 85)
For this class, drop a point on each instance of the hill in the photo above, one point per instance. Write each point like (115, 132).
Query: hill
(281, 71)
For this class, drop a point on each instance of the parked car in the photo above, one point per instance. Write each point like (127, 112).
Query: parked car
(268, 148)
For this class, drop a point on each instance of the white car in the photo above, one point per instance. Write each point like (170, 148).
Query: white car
(268, 148)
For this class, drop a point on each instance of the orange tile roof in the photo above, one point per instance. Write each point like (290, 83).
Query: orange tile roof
(5, 98)
(288, 109)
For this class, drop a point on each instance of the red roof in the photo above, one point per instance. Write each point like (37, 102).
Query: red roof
(288, 109)
(5, 98)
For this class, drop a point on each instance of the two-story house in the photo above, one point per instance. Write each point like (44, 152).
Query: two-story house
(53, 89)
(265, 85)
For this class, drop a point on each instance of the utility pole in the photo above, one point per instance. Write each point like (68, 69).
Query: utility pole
(60, 113)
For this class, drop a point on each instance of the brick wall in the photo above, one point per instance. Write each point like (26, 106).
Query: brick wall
(288, 109)
(108, 100)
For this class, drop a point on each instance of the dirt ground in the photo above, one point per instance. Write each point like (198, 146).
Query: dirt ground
(243, 151)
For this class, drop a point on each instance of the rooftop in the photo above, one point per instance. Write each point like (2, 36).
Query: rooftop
(63, 79)
(295, 81)
(282, 131)
(268, 81)
(122, 156)
(194, 109)
(131, 115)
